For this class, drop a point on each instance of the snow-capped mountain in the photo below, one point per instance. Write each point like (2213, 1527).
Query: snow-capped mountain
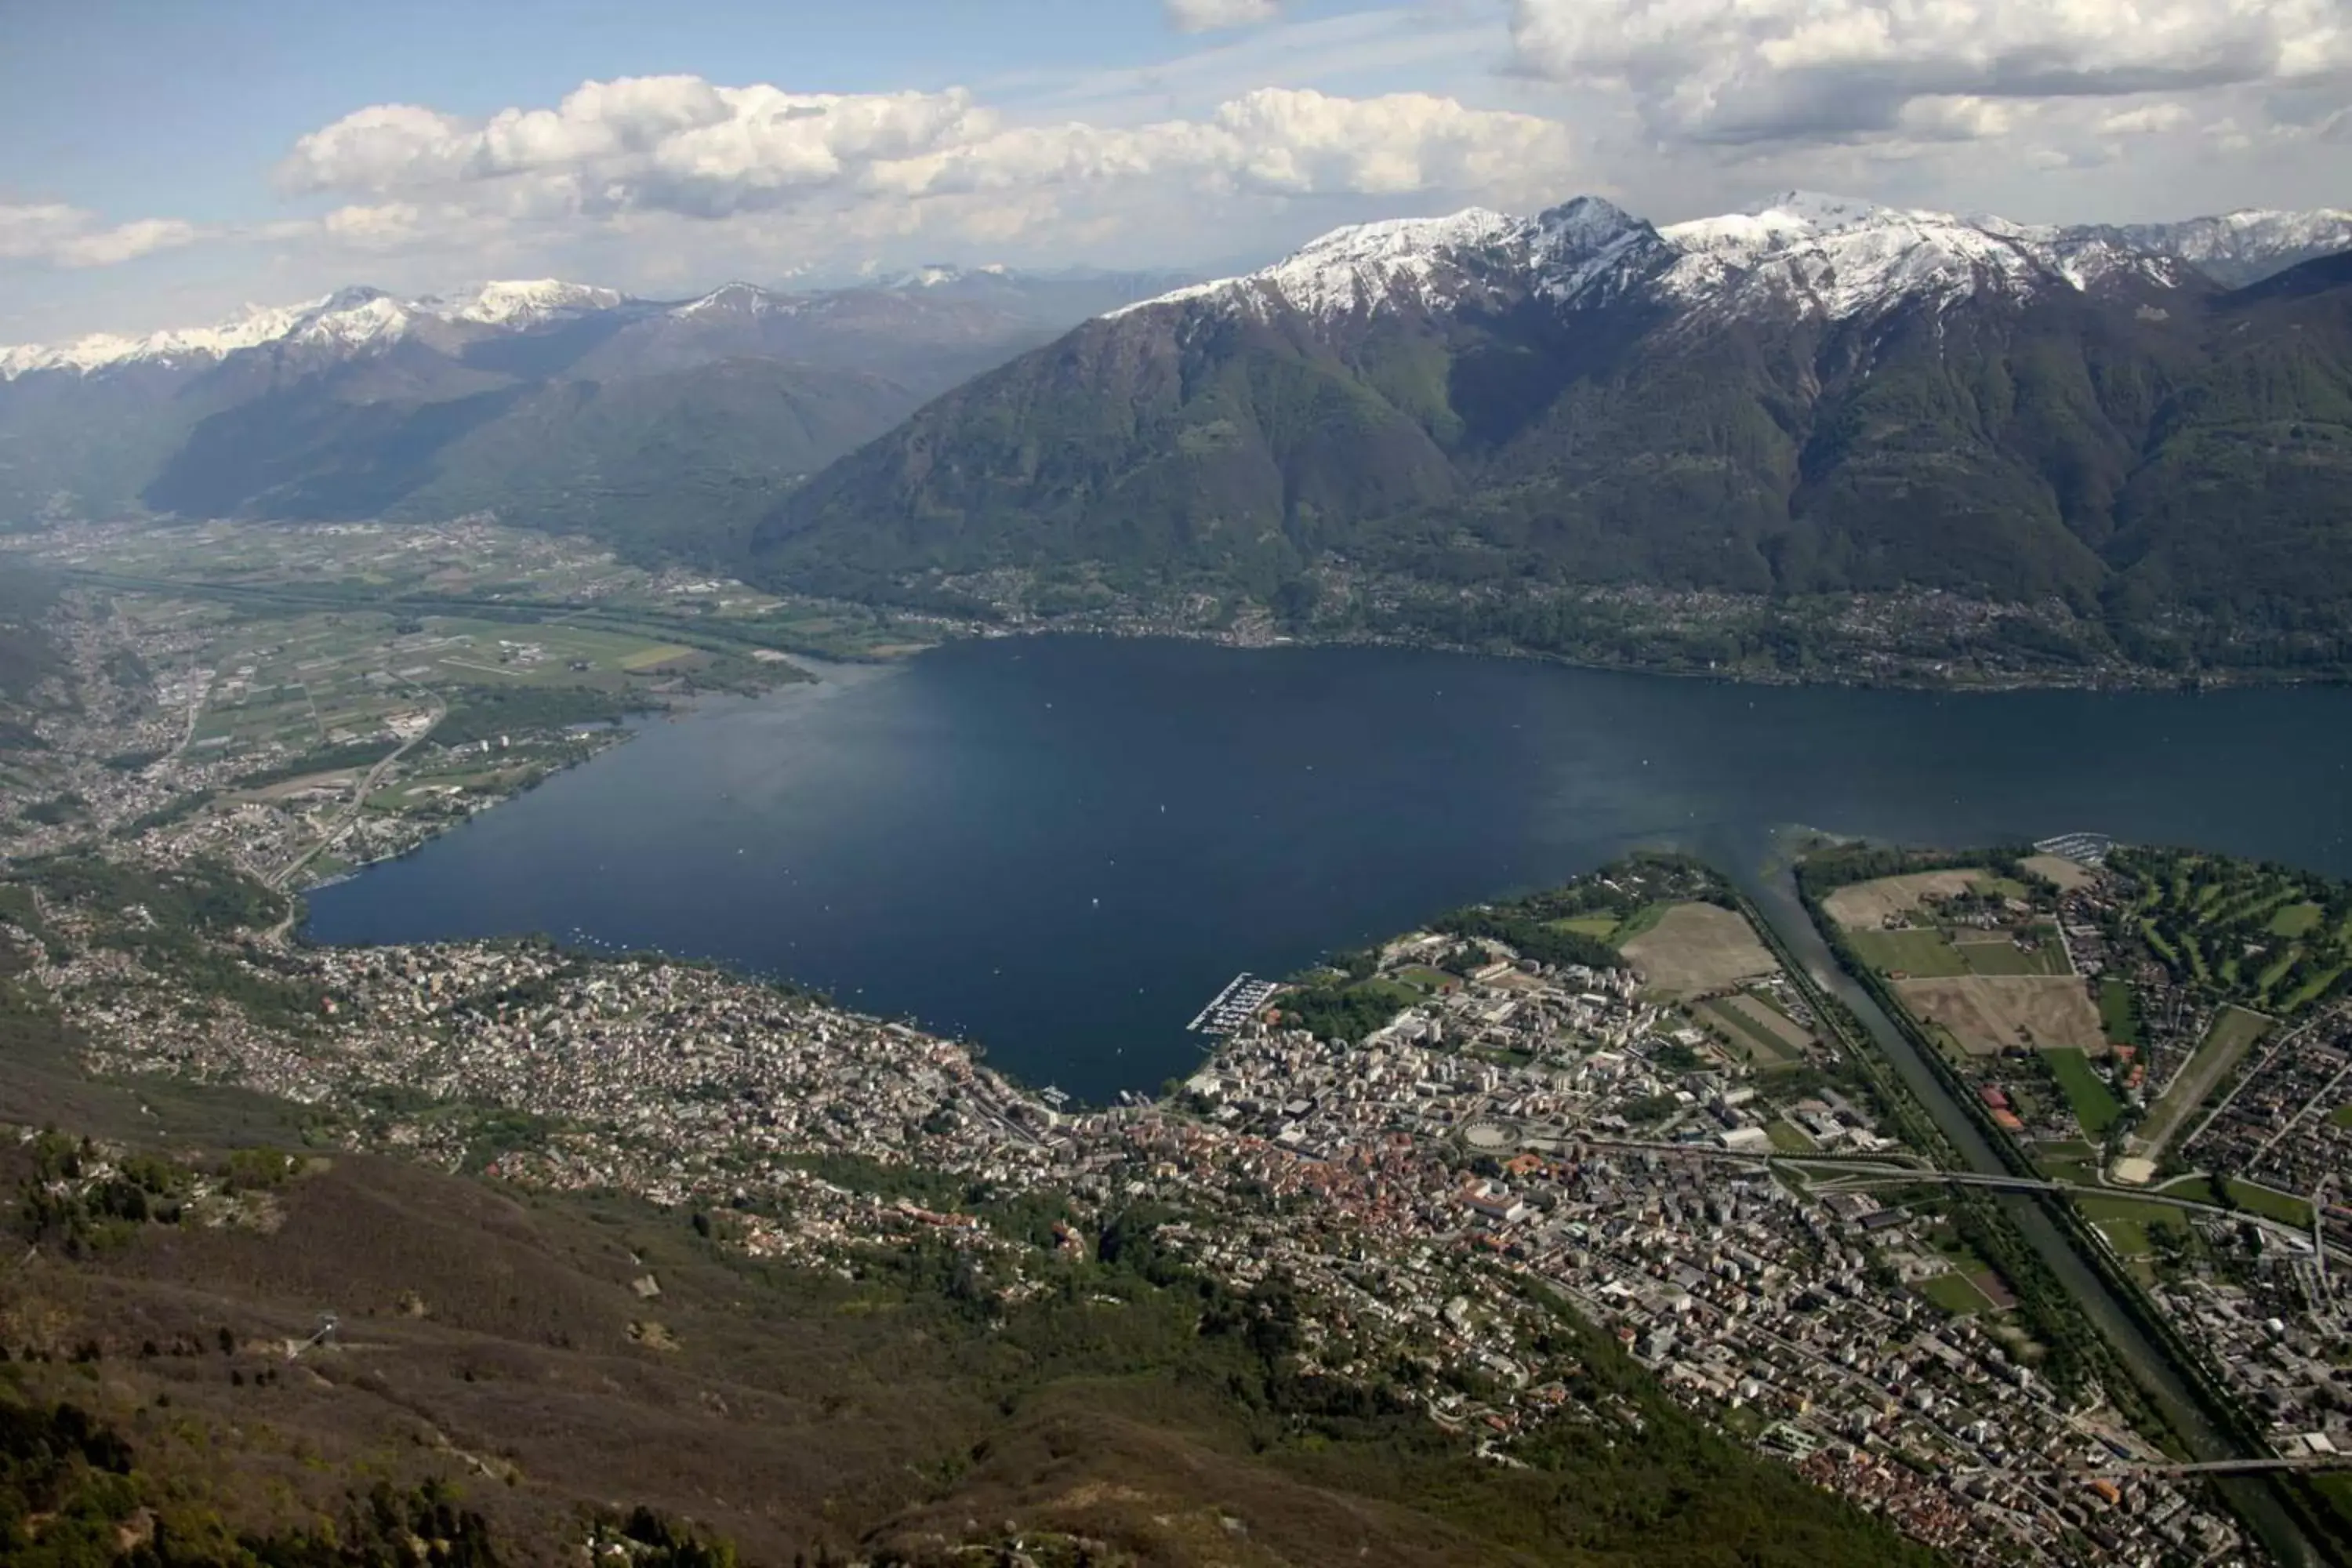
(505, 394)
(1366, 267)
(1825, 256)
(527, 302)
(943, 275)
(1838, 259)
(348, 320)
(737, 298)
(983, 303)
(2237, 247)
(1813, 395)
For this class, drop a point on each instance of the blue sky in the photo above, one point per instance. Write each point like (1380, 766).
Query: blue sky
(161, 162)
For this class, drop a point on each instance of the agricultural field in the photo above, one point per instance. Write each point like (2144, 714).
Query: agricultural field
(2069, 876)
(1985, 1014)
(1994, 954)
(2233, 1032)
(468, 568)
(1867, 906)
(1921, 952)
(1697, 948)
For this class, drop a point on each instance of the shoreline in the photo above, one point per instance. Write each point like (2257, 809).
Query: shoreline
(2138, 678)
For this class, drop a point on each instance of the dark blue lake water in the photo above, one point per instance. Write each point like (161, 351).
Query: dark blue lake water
(1061, 848)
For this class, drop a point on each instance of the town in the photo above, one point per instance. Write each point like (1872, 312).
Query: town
(1611, 1100)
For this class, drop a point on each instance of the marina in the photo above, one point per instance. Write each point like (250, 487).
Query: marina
(1244, 994)
(2084, 849)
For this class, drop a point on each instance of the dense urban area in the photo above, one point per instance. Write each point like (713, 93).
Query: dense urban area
(1617, 1104)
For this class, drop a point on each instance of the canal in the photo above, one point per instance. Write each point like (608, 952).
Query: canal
(2254, 1499)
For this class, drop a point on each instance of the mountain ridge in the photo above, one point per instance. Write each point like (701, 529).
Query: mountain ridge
(363, 404)
(1822, 396)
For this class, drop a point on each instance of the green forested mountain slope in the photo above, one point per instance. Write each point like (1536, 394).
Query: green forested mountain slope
(2148, 445)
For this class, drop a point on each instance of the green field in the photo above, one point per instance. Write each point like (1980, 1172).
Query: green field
(2311, 990)
(2130, 1236)
(2233, 1030)
(2101, 1209)
(2069, 1161)
(2095, 1106)
(1789, 1137)
(2269, 1204)
(1640, 921)
(2117, 1012)
(2295, 919)
(2254, 1199)
(2342, 1115)
(1956, 1294)
(1923, 953)
(1601, 927)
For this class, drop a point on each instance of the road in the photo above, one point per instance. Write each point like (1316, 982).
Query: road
(334, 830)
(1867, 1170)
(1815, 971)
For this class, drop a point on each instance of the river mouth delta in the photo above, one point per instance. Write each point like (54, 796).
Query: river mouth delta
(1061, 848)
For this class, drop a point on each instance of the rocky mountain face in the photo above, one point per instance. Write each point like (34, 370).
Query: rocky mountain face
(556, 404)
(1814, 396)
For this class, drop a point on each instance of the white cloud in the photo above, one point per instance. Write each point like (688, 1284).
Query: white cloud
(62, 235)
(1795, 70)
(2148, 119)
(684, 147)
(1208, 15)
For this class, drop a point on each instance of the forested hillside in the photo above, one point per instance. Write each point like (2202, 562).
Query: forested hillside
(2140, 449)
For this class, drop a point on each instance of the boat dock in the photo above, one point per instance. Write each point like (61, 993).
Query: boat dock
(1244, 994)
(2082, 849)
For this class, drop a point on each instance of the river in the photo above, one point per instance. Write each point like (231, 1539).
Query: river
(1062, 847)
(1775, 897)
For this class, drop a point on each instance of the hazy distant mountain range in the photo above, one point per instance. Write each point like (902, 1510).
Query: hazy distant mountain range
(1816, 394)
(1811, 394)
(557, 404)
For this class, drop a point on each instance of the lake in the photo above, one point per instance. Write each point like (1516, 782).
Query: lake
(1062, 846)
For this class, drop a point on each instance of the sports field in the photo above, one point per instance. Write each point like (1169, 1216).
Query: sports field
(1956, 1294)
(1767, 1037)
